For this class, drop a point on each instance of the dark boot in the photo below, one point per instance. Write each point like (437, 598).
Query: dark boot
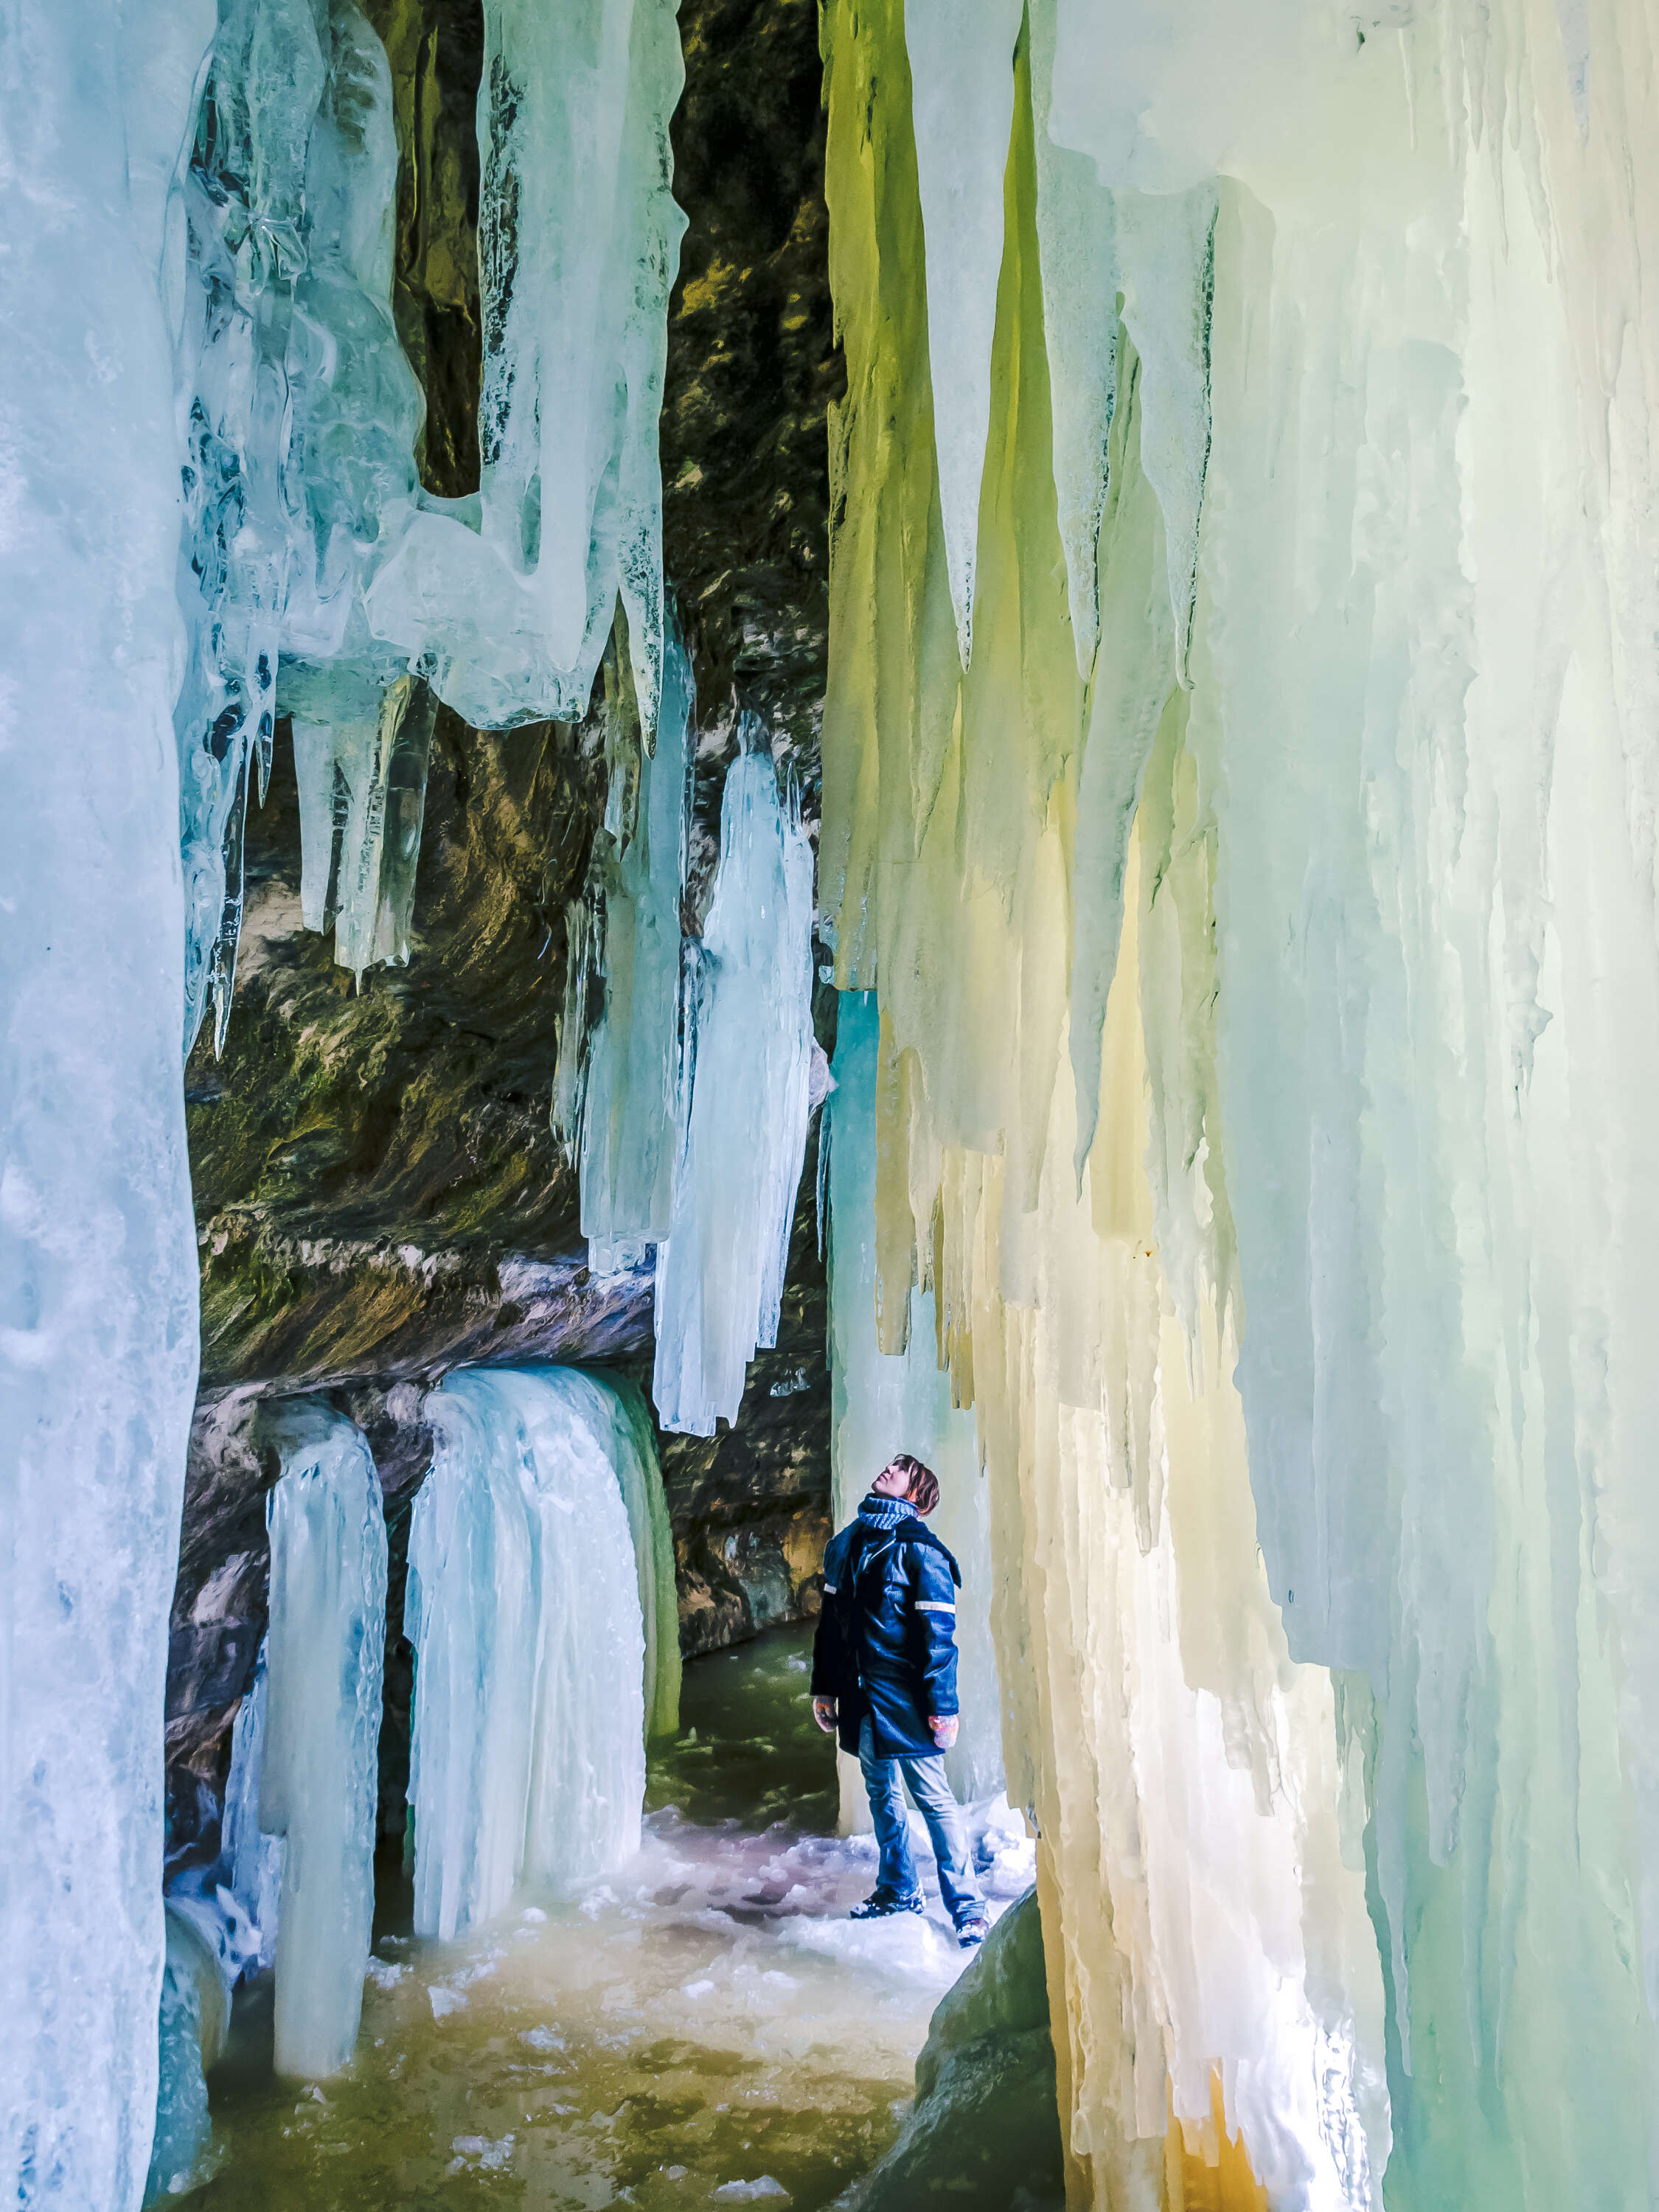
(883, 1904)
(972, 1929)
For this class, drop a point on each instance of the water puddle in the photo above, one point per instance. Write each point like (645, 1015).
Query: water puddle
(701, 2026)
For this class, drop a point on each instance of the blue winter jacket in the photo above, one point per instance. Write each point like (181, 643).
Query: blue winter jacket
(886, 1643)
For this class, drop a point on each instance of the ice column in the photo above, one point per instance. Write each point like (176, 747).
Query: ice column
(719, 1272)
(318, 1778)
(538, 1667)
(98, 1302)
(885, 1402)
(618, 1092)
(509, 599)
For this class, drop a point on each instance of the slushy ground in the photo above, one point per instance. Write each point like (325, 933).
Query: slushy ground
(703, 2026)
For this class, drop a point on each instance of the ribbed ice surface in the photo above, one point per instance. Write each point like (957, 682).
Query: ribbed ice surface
(744, 1103)
(325, 1651)
(541, 1611)
(1277, 1012)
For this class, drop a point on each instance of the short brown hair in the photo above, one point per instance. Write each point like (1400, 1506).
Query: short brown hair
(923, 1483)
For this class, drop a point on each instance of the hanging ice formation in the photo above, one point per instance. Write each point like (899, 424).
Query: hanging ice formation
(615, 1094)
(887, 1395)
(318, 1771)
(318, 580)
(744, 1102)
(540, 1608)
(98, 1349)
(506, 599)
(1264, 931)
(302, 416)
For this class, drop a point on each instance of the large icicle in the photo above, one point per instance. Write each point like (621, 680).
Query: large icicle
(721, 1271)
(885, 1402)
(98, 1296)
(616, 1094)
(535, 1539)
(507, 600)
(961, 80)
(318, 1774)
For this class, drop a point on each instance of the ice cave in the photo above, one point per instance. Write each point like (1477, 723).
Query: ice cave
(831, 875)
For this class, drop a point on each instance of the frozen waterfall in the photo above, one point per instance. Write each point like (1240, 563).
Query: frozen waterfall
(324, 1652)
(744, 1102)
(540, 1608)
(98, 1339)
(885, 1401)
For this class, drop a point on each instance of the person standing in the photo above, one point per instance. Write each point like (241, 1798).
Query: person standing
(885, 1679)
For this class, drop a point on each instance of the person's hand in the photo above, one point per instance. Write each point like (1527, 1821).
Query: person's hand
(944, 1730)
(824, 1712)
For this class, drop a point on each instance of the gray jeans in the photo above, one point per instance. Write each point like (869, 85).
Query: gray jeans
(937, 1806)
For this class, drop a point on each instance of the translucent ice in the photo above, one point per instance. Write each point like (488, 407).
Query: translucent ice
(318, 1774)
(252, 1861)
(507, 601)
(616, 1095)
(98, 1296)
(195, 2015)
(748, 1058)
(532, 1665)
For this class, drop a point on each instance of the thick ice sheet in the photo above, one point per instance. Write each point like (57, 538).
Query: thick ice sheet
(97, 1319)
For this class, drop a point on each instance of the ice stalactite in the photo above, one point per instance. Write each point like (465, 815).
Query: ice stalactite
(317, 1769)
(98, 1349)
(883, 1402)
(301, 414)
(541, 1609)
(616, 1090)
(1277, 985)
(744, 1102)
(506, 599)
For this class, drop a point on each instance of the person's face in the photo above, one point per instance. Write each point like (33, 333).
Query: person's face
(891, 1482)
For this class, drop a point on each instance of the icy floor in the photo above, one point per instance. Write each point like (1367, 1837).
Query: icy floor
(703, 2026)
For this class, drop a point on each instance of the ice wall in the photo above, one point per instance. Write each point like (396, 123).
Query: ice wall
(325, 1650)
(744, 1102)
(507, 599)
(540, 1608)
(98, 1336)
(616, 1092)
(884, 1402)
(1267, 922)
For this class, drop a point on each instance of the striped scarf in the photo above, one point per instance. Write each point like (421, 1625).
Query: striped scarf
(885, 1512)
